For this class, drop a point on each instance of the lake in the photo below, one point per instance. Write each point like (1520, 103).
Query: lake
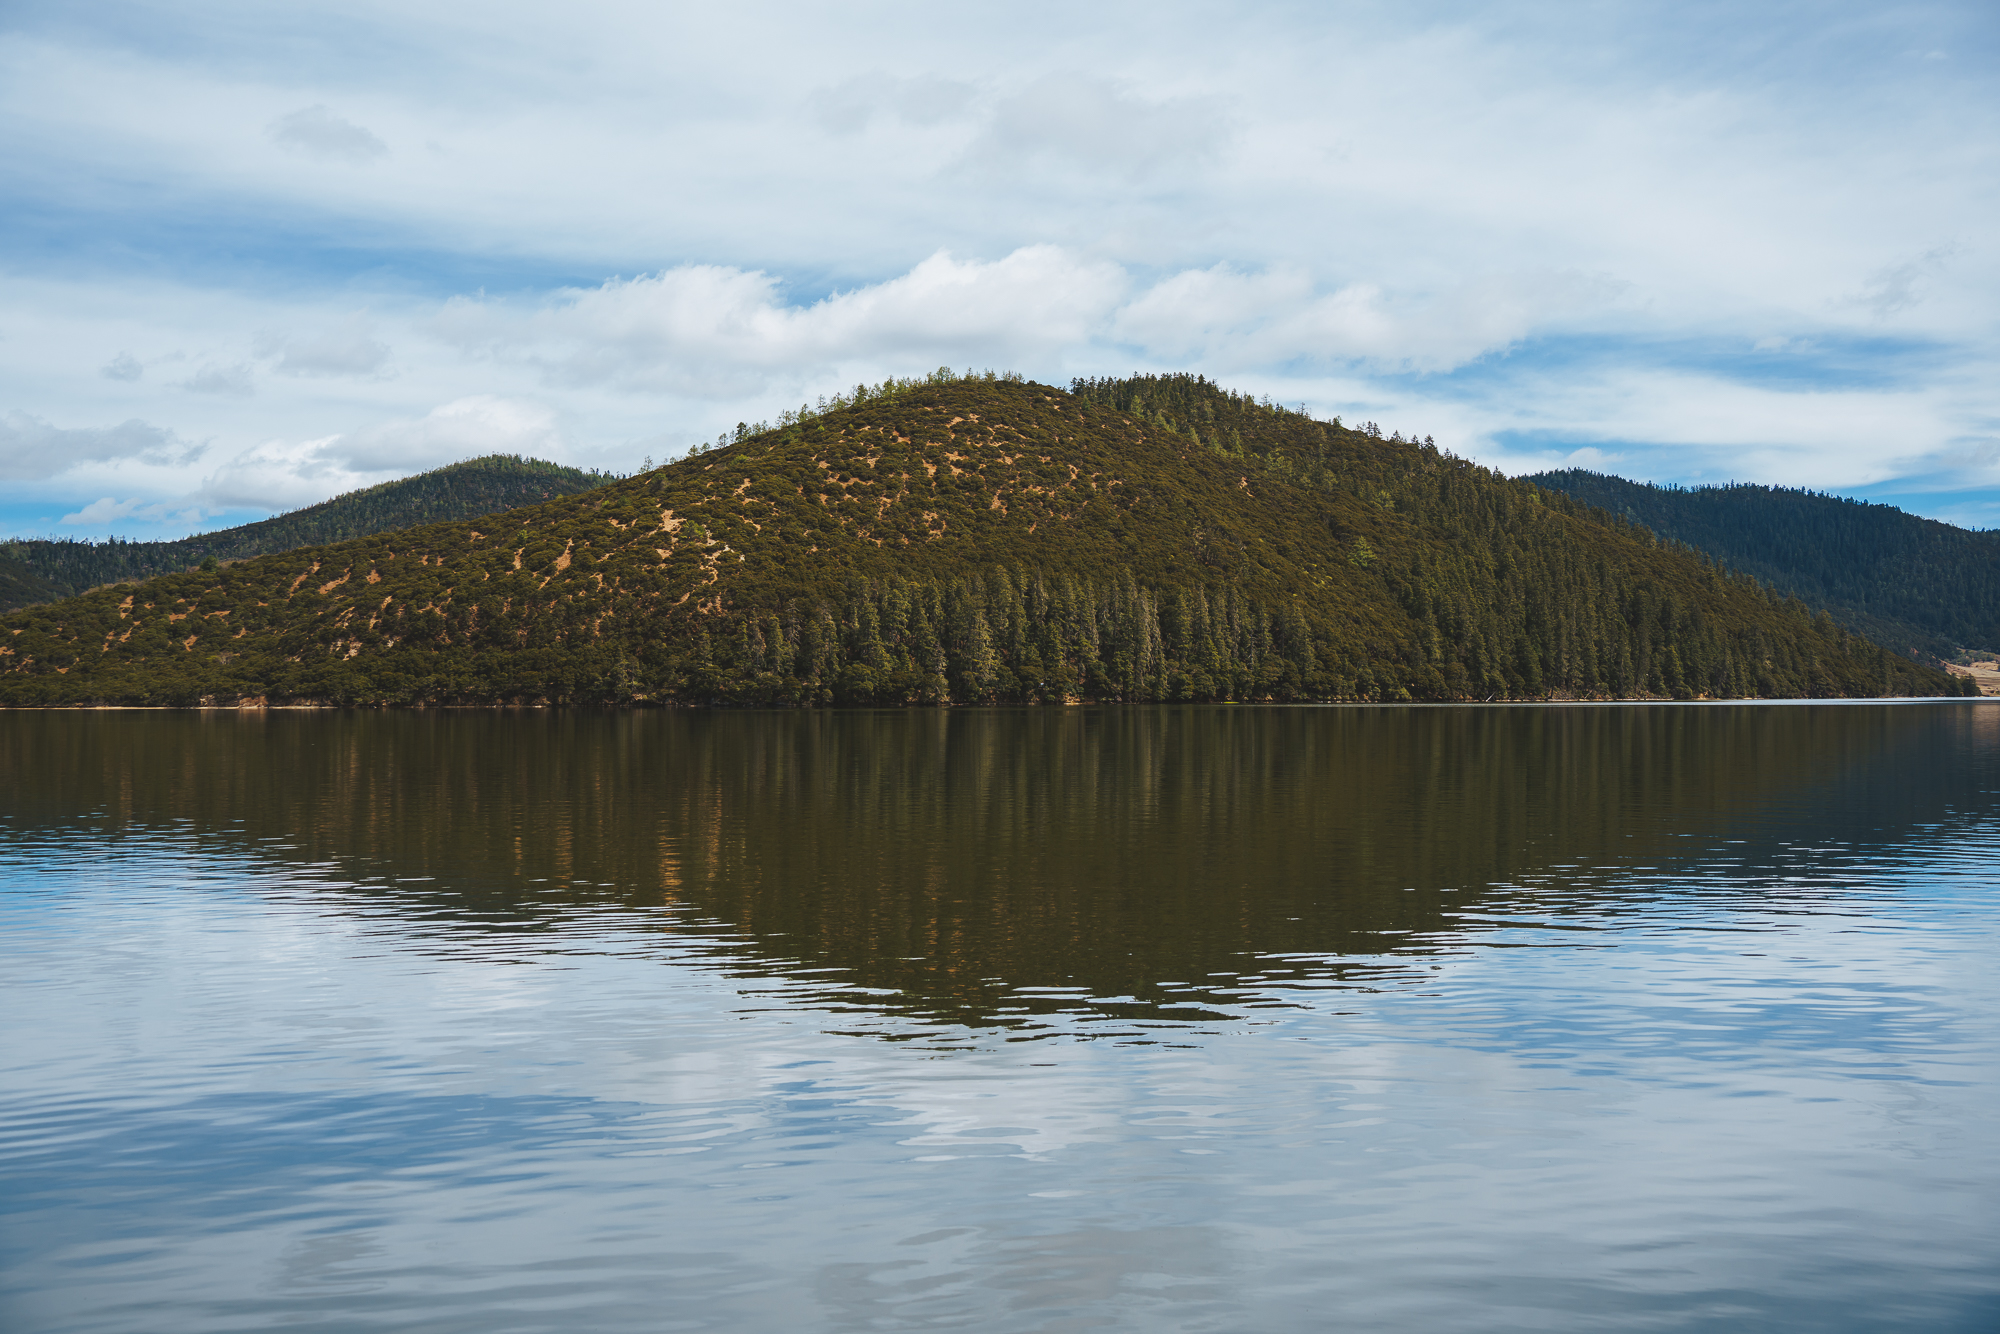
(1626, 1017)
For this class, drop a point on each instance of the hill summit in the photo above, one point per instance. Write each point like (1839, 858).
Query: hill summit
(971, 539)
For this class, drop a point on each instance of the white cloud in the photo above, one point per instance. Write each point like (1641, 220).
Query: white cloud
(1596, 460)
(1898, 287)
(106, 510)
(1960, 463)
(713, 331)
(483, 424)
(1398, 212)
(1710, 429)
(1101, 126)
(282, 474)
(349, 349)
(237, 381)
(316, 132)
(31, 448)
(1277, 317)
(709, 330)
(1186, 314)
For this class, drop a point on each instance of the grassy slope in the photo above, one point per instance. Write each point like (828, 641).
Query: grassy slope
(34, 571)
(1914, 584)
(973, 540)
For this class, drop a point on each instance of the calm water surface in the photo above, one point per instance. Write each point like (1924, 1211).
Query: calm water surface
(1230, 1019)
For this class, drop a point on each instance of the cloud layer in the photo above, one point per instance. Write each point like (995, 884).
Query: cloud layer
(707, 330)
(338, 241)
(31, 448)
(315, 132)
(280, 474)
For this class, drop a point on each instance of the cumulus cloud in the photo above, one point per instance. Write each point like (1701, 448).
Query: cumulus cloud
(124, 366)
(31, 448)
(279, 475)
(282, 474)
(1185, 314)
(237, 381)
(316, 132)
(709, 330)
(349, 349)
(481, 424)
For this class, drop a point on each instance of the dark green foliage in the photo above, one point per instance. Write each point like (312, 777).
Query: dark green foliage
(34, 571)
(1921, 587)
(974, 539)
(21, 586)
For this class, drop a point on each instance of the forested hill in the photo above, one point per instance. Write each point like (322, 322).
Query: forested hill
(42, 570)
(1919, 586)
(976, 539)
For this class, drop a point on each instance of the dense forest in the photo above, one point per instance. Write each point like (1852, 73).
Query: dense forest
(42, 570)
(977, 539)
(1921, 587)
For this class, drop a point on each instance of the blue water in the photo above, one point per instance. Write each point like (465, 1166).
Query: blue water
(1679, 1019)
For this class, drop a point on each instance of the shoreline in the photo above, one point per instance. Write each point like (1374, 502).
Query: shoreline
(1983, 697)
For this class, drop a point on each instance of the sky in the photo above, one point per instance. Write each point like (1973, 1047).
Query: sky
(252, 256)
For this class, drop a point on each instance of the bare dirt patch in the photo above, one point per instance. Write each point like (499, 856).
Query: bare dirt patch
(1984, 674)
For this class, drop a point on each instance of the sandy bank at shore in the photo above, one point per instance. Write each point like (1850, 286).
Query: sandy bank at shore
(1987, 674)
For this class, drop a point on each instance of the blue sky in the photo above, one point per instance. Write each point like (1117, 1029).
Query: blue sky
(252, 255)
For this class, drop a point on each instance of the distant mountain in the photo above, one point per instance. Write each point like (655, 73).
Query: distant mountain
(41, 570)
(1919, 586)
(973, 540)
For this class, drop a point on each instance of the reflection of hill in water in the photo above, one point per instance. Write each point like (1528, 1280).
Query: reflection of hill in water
(957, 858)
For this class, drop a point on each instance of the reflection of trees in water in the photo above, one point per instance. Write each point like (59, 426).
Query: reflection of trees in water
(953, 858)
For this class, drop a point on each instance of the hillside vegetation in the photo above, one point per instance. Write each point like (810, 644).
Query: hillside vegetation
(40, 570)
(976, 539)
(1919, 586)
